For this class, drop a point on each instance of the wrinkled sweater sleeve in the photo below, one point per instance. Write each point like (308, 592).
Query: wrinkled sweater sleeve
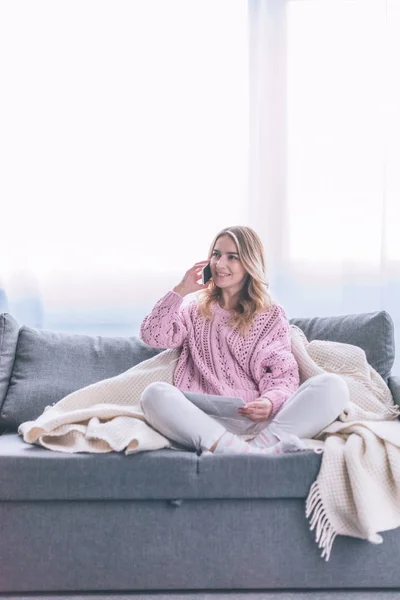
(275, 369)
(165, 326)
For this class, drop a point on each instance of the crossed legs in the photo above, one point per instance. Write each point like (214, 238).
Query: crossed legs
(316, 404)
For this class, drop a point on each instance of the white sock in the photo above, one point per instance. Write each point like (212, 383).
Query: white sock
(265, 439)
(230, 443)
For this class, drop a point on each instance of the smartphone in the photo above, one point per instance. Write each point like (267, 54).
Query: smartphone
(206, 274)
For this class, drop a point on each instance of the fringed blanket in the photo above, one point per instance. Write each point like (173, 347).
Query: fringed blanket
(357, 491)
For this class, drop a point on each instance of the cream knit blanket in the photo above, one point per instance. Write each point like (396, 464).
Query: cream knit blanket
(357, 491)
(106, 415)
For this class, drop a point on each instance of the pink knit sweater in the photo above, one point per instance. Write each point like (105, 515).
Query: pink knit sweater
(217, 359)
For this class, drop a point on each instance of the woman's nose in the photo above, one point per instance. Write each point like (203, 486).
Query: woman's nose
(220, 262)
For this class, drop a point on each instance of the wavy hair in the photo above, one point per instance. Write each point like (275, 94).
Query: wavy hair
(254, 297)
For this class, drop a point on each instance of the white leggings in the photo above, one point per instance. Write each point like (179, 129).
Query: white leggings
(316, 404)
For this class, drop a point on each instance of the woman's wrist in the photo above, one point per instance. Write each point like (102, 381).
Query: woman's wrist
(179, 290)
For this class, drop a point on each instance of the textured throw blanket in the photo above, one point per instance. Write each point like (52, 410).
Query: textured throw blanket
(106, 415)
(357, 491)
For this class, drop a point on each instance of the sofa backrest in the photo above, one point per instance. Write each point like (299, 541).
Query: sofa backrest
(373, 332)
(44, 366)
(39, 367)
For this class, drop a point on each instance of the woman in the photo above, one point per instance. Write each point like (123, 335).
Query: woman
(235, 342)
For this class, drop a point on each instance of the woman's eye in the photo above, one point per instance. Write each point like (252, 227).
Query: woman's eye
(230, 256)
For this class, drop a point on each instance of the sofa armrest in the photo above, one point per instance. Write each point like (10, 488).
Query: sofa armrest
(394, 386)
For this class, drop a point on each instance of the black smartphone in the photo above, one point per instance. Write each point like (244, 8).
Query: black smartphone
(206, 274)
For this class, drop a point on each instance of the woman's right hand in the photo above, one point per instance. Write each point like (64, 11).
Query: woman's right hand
(189, 283)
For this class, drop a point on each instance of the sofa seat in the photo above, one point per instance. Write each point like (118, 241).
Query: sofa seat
(170, 520)
(33, 473)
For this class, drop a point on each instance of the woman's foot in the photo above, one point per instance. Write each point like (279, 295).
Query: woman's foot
(229, 443)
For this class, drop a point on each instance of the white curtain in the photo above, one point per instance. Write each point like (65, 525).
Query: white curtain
(123, 150)
(324, 159)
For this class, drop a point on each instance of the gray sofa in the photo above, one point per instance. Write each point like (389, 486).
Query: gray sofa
(169, 520)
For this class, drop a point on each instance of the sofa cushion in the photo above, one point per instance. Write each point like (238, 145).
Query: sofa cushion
(30, 473)
(8, 342)
(50, 365)
(373, 332)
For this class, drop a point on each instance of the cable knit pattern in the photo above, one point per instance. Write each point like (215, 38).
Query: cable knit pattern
(217, 359)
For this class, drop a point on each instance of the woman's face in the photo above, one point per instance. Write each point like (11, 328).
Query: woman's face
(226, 269)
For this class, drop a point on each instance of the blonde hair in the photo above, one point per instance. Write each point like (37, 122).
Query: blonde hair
(254, 297)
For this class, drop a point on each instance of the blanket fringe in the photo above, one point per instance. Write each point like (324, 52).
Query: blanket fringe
(315, 511)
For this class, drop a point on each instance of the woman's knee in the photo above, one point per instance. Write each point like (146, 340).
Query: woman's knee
(153, 394)
(336, 389)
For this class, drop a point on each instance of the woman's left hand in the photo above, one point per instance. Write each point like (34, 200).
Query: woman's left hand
(258, 410)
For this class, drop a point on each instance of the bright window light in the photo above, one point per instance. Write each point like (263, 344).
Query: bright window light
(343, 129)
(123, 132)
